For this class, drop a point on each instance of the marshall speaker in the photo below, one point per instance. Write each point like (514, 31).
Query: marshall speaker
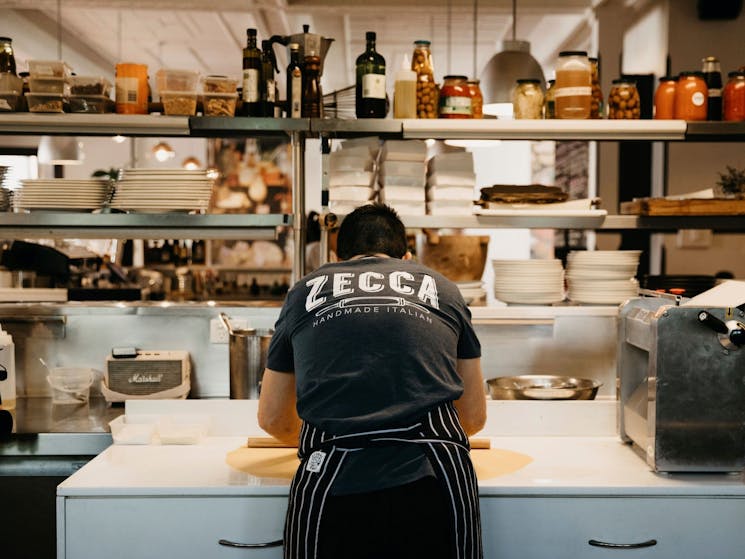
(147, 374)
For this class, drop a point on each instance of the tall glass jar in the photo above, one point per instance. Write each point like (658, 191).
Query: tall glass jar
(549, 104)
(477, 99)
(426, 89)
(455, 98)
(596, 104)
(7, 58)
(573, 85)
(733, 99)
(527, 99)
(664, 98)
(691, 96)
(623, 101)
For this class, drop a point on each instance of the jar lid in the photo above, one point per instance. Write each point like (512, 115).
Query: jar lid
(624, 80)
(528, 80)
(422, 42)
(573, 53)
(474, 81)
(456, 77)
(688, 74)
(669, 79)
(737, 74)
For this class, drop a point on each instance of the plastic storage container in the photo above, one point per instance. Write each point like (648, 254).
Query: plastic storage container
(219, 104)
(90, 85)
(58, 86)
(137, 429)
(176, 81)
(70, 385)
(404, 91)
(91, 104)
(10, 82)
(183, 429)
(10, 101)
(179, 103)
(219, 84)
(7, 371)
(45, 102)
(49, 69)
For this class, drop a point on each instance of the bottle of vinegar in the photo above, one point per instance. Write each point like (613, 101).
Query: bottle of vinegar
(251, 76)
(267, 91)
(370, 84)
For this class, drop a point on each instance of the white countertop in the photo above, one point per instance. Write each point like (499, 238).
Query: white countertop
(574, 448)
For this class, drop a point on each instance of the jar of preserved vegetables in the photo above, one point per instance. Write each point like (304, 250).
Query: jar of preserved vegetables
(623, 101)
(426, 89)
(549, 106)
(596, 103)
(573, 85)
(691, 96)
(477, 99)
(733, 100)
(664, 98)
(455, 98)
(527, 99)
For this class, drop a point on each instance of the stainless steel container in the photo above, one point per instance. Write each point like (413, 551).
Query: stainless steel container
(248, 350)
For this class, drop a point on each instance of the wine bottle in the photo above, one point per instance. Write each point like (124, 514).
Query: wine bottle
(370, 83)
(294, 83)
(268, 89)
(251, 76)
(713, 78)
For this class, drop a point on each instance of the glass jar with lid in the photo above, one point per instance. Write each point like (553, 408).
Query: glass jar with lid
(623, 101)
(455, 98)
(426, 88)
(527, 99)
(691, 96)
(549, 108)
(664, 98)
(733, 98)
(573, 94)
(596, 104)
(7, 58)
(477, 99)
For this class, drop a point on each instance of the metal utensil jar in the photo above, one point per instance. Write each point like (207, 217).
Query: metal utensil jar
(248, 349)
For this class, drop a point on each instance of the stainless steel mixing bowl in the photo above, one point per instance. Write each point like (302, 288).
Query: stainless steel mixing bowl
(542, 387)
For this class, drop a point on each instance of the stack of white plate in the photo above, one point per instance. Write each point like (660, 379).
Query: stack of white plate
(61, 194)
(603, 277)
(472, 291)
(162, 190)
(528, 282)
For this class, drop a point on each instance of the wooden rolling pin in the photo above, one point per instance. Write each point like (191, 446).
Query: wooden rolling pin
(271, 442)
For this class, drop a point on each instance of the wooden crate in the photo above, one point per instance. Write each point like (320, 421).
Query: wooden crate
(662, 206)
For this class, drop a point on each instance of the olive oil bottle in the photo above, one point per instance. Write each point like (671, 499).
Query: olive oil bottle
(251, 76)
(370, 96)
(294, 83)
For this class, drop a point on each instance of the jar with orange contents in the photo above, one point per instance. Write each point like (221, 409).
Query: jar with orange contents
(691, 96)
(477, 99)
(664, 98)
(455, 98)
(733, 98)
(426, 88)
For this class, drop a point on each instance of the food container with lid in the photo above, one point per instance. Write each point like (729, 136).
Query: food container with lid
(10, 82)
(219, 104)
(91, 104)
(596, 103)
(573, 88)
(49, 69)
(477, 98)
(426, 88)
(179, 103)
(691, 96)
(623, 100)
(58, 86)
(527, 99)
(9, 101)
(733, 98)
(455, 98)
(46, 102)
(131, 89)
(177, 80)
(133, 429)
(219, 84)
(664, 98)
(90, 85)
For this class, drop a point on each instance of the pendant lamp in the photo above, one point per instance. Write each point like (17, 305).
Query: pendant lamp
(59, 150)
(499, 76)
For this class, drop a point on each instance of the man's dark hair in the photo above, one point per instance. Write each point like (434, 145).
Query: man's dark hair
(371, 229)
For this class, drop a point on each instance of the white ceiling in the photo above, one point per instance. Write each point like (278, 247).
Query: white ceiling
(96, 34)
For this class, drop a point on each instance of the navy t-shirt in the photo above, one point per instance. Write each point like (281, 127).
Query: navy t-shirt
(373, 342)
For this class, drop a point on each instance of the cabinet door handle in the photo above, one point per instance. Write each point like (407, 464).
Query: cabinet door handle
(228, 543)
(648, 543)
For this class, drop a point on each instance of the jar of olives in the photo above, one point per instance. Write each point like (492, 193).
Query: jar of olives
(596, 102)
(623, 101)
(426, 89)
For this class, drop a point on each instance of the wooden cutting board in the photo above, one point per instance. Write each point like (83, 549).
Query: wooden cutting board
(281, 463)
(271, 442)
(663, 206)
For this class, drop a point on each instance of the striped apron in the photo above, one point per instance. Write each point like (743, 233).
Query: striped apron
(322, 457)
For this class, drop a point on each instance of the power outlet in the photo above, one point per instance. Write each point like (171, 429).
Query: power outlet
(218, 332)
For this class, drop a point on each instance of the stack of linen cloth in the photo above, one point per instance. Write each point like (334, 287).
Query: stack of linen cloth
(352, 174)
(451, 182)
(403, 173)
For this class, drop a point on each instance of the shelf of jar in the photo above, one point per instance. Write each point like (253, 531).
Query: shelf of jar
(43, 225)
(711, 131)
(93, 124)
(225, 126)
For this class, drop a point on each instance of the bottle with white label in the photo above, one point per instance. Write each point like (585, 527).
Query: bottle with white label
(294, 83)
(7, 371)
(251, 76)
(370, 94)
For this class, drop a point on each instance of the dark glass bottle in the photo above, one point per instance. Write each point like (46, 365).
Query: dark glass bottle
(294, 83)
(713, 78)
(312, 97)
(7, 58)
(251, 76)
(268, 87)
(370, 83)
